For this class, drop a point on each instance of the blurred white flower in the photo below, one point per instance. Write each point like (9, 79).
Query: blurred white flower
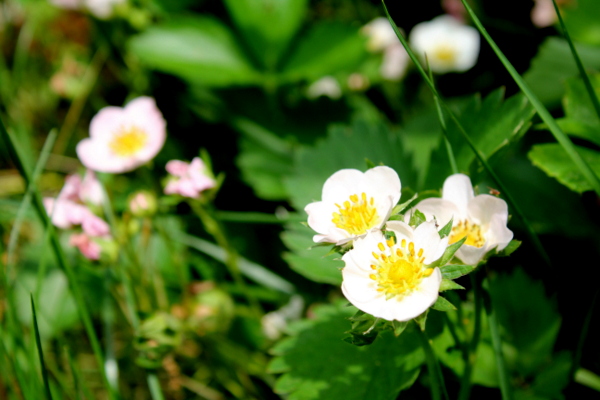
(274, 323)
(380, 35)
(482, 219)
(100, 8)
(353, 203)
(389, 279)
(543, 13)
(395, 62)
(448, 45)
(326, 86)
(122, 139)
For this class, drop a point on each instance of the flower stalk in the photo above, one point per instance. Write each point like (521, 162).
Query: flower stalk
(438, 387)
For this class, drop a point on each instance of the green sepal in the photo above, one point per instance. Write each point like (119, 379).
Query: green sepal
(421, 320)
(417, 218)
(448, 254)
(397, 217)
(401, 207)
(445, 231)
(390, 234)
(448, 284)
(442, 304)
(399, 327)
(453, 271)
(365, 329)
(370, 164)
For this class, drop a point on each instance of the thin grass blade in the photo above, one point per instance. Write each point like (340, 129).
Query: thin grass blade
(580, 67)
(38, 341)
(544, 114)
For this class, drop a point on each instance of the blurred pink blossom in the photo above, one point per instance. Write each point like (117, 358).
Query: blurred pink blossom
(188, 179)
(122, 139)
(86, 245)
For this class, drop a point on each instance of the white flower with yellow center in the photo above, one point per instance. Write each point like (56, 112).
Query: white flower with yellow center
(122, 139)
(353, 203)
(390, 279)
(380, 34)
(448, 45)
(481, 219)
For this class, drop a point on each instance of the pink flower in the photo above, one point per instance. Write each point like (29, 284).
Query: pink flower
(122, 139)
(188, 179)
(86, 245)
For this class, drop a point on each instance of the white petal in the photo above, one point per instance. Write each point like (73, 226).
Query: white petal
(483, 207)
(426, 237)
(383, 182)
(341, 185)
(459, 190)
(471, 255)
(443, 210)
(358, 287)
(498, 235)
(401, 229)
(417, 302)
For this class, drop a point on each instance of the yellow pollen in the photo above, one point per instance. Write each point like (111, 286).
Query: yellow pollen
(471, 231)
(127, 141)
(357, 215)
(398, 273)
(445, 53)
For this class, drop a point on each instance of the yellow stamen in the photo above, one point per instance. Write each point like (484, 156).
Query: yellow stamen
(471, 231)
(357, 215)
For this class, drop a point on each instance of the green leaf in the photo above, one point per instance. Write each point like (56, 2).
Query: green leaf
(582, 22)
(401, 207)
(554, 161)
(554, 63)
(581, 119)
(309, 261)
(345, 147)
(417, 218)
(448, 284)
(399, 327)
(443, 304)
(530, 330)
(326, 48)
(267, 25)
(40, 351)
(198, 49)
(445, 231)
(448, 254)
(317, 364)
(491, 123)
(453, 271)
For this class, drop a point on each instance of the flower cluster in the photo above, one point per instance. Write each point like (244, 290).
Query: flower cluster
(121, 140)
(383, 39)
(391, 269)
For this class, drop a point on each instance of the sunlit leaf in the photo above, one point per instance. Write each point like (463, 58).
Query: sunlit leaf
(317, 364)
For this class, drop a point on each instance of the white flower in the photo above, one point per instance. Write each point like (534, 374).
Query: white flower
(380, 35)
(389, 279)
(482, 219)
(122, 139)
(353, 203)
(447, 44)
(395, 62)
(326, 86)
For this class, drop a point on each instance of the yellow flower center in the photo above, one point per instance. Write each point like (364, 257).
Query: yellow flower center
(444, 53)
(398, 269)
(468, 229)
(128, 141)
(357, 215)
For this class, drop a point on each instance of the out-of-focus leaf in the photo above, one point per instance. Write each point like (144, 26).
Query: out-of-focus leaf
(264, 159)
(553, 160)
(317, 364)
(554, 64)
(554, 377)
(312, 262)
(346, 147)
(581, 18)
(326, 49)
(581, 119)
(267, 25)
(491, 123)
(56, 308)
(530, 330)
(198, 49)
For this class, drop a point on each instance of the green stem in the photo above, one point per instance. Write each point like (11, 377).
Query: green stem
(465, 383)
(583, 335)
(231, 262)
(499, 355)
(258, 218)
(435, 372)
(544, 114)
(154, 385)
(480, 157)
(60, 257)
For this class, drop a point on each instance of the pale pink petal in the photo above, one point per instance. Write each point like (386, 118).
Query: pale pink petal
(106, 121)
(177, 168)
(91, 190)
(71, 188)
(90, 249)
(94, 226)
